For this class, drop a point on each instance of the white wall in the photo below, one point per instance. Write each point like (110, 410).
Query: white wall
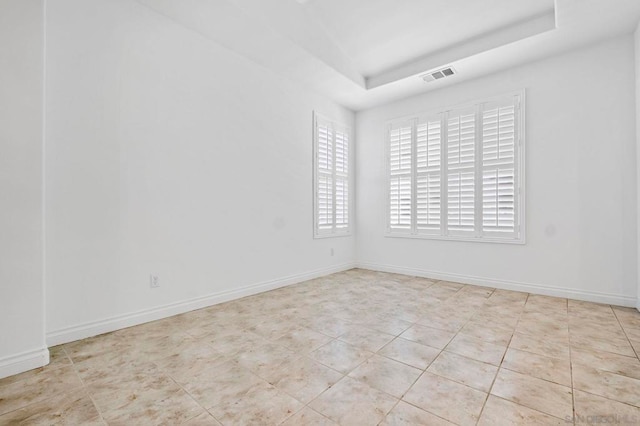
(580, 182)
(168, 154)
(637, 113)
(21, 233)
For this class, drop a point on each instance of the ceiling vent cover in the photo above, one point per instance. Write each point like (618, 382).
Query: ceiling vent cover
(438, 74)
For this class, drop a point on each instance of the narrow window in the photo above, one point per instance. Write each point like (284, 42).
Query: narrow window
(332, 187)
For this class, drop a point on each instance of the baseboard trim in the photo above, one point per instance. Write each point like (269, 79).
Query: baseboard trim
(23, 361)
(107, 325)
(589, 296)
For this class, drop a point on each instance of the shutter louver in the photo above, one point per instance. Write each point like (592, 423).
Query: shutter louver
(325, 202)
(428, 180)
(400, 201)
(461, 172)
(498, 169)
(342, 183)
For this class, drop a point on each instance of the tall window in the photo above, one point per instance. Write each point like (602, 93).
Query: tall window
(331, 178)
(459, 173)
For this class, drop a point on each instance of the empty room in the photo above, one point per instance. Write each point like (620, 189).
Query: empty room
(319, 212)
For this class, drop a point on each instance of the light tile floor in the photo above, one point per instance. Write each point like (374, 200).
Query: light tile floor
(355, 348)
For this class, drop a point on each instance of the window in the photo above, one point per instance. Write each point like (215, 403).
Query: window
(458, 174)
(331, 178)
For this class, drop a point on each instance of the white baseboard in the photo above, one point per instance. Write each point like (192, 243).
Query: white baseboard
(24, 361)
(589, 296)
(106, 325)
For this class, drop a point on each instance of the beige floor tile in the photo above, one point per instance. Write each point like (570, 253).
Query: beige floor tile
(308, 417)
(222, 384)
(495, 333)
(389, 324)
(405, 414)
(607, 361)
(303, 378)
(171, 405)
(272, 330)
(541, 345)
(258, 404)
(352, 402)
(190, 362)
(428, 336)
(58, 357)
(632, 331)
(475, 374)
(538, 394)
(232, 344)
(366, 338)
(204, 419)
(82, 350)
(210, 331)
(340, 356)
(476, 349)
(303, 340)
(607, 384)
(543, 327)
(38, 388)
(410, 353)
(603, 343)
(263, 359)
(498, 411)
(595, 329)
(114, 369)
(448, 320)
(386, 375)
(329, 325)
(606, 410)
(74, 408)
(540, 303)
(445, 398)
(497, 316)
(543, 367)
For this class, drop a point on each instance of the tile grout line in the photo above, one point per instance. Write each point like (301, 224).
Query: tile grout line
(86, 388)
(625, 332)
(502, 360)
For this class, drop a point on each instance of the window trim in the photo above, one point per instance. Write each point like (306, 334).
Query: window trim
(519, 164)
(334, 232)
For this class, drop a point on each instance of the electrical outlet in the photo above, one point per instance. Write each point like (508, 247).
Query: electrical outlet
(154, 281)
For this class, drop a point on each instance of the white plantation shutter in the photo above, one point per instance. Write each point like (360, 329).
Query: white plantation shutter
(429, 175)
(498, 167)
(458, 174)
(461, 146)
(331, 178)
(400, 176)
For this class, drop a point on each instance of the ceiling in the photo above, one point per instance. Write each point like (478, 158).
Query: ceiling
(362, 53)
(380, 34)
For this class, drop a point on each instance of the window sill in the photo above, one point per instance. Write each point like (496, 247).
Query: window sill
(493, 240)
(333, 235)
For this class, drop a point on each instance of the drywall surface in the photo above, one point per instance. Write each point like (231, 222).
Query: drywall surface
(580, 182)
(170, 155)
(21, 232)
(637, 114)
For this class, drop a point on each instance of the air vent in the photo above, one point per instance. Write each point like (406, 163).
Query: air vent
(438, 74)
